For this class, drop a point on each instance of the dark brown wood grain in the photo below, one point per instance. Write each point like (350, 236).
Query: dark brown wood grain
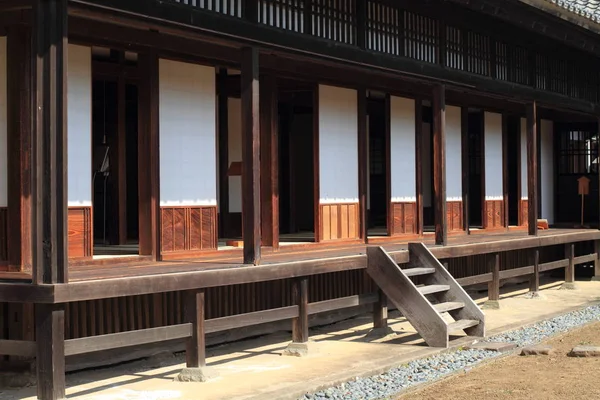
(403, 218)
(339, 221)
(80, 240)
(300, 298)
(532, 169)
(454, 215)
(494, 212)
(380, 311)
(534, 284)
(494, 285)
(187, 229)
(195, 352)
(439, 164)
(269, 158)
(523, 212)
(363, 156)
(223, 138)
(19, 95)
(50, 357)
(250, 156)
(570, 269)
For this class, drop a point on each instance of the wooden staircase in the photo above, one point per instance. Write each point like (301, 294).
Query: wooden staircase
(424, 305)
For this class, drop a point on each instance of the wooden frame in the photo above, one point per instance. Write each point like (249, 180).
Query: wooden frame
(316, 183)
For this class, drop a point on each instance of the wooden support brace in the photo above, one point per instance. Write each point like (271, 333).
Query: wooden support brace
(494, 284)
(300, 297)
(380, 311)
(195, 352)
(535, 278)
(570, 270)
(50, 358)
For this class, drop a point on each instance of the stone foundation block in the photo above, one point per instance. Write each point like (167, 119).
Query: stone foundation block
(491, 305)
(298, 349)
(585, 351)
(201, 374)
(538, 350)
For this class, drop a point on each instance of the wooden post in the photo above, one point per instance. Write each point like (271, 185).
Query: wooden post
(148, 160)
(300, 297)
(464, 141)
(363, 166)
(494, 285)
(121, 162)
(250, 156)
(380, 312)
(19, 148)
(223, 120)
(49, 143)
(597, 260)
(439, 164)
(570, 269)
(419, 163)
(505, 183)
(50, 354)
(195, 352)
(598, 172)
(269, 148)
(534, 286)
(532, 181)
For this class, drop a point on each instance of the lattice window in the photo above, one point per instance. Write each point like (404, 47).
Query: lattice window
(478, 53)
(384, 28)
(454, 48)
(284, 14)
(334, 20)
(421, 37)
(227, 7)
(578, 152)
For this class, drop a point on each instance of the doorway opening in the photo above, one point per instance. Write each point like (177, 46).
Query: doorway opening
(296, 164)
(476, 177)
(115, 199)
(514, 169)
(377, 177)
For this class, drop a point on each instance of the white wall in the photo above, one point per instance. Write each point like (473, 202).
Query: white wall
(547, 169)
(234, 142)
(187, 109)
(79, 123)
(3, 127)
(524, 192)
(338, 145)
(426, 171)
(453, 154)
(493, 156)
(402, 149)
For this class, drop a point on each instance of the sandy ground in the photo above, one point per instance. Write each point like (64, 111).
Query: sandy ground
(535, 377)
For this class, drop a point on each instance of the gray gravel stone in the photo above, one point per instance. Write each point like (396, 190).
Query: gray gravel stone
(433, 368)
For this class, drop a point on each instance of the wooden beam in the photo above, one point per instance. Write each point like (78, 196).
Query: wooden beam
(223, 134)
(418, 162)
(19, 148)
(363, 167)
(532, 184)
(149, 158)
(505, 182)
(380, 311)
(250, 156)
(464, 163)
(195, 352)
(300, 298)
(570, 270)
(494, 285)
(269, 159)
(439, 165)
(49, 143)
(50, 354)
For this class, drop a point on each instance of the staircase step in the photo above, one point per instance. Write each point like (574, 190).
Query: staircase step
(448, 306)
(418, 271)
(462, 324)
(430, 289)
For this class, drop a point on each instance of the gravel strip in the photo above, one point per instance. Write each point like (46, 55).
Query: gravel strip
(433, 368)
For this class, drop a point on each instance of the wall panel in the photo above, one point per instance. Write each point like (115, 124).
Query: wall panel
(402, 149)
(403, 218)
(453, 154)
(3, 125)
(493, 207)
(80, 241)
(339, 221)
(188, 229)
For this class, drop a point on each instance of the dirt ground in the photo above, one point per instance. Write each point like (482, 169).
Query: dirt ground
(533, 377)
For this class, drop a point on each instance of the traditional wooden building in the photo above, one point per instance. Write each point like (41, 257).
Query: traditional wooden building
(173, 169)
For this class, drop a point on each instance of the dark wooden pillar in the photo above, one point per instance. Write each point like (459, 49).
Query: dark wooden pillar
(195, 351)
(555, 186)
(494, 285)
(570, 269)
(597, 259)
(380, 311)
(223, 127)
(534, 286)
(532, 181)
(464, 161)
(439, 164)
(250, 156)
(148, 160)
(19, 148)
(418, 162)
(50, 356)
(121, 161)
(269, 159)
(49, 143)
(300, 298)
(505, 183)
(363, 167)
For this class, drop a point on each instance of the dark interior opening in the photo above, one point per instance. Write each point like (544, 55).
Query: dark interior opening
(105, 121)
(476, 188)
(378, 197)
(514, 143)
(296, 165)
